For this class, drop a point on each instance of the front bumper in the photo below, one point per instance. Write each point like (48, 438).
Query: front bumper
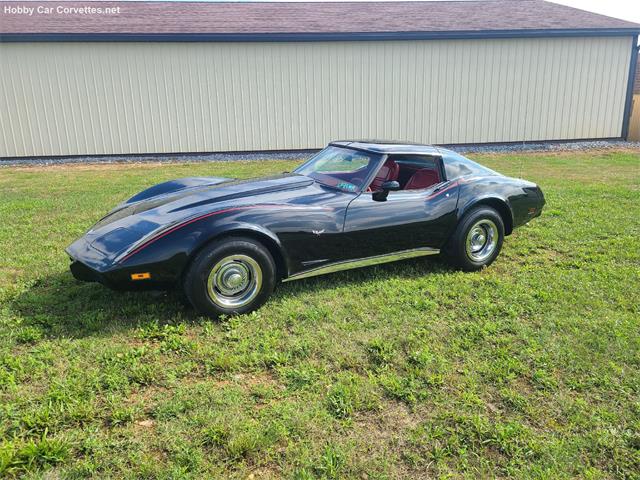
(83, 273)
(117, 279)
(90, 265)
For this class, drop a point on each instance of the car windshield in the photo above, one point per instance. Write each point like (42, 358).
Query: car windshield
(342, 168)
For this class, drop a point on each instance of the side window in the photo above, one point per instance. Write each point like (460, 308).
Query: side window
(456, 169)
(458, 166)
(417, 172)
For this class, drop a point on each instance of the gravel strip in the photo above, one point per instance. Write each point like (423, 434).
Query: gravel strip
(163, 158)
(304, 154)
(548, 147)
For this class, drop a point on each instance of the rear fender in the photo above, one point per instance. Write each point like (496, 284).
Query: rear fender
(499, 204)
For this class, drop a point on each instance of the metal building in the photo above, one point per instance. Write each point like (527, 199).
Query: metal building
(206, 77)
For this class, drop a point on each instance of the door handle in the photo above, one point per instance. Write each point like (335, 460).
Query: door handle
(439, 188)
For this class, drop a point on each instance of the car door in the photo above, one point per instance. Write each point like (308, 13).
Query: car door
(408, 219)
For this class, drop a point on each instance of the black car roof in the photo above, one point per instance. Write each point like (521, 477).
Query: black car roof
(389, 147)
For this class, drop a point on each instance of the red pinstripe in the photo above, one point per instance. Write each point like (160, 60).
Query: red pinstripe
(188, 222)
(218, 212)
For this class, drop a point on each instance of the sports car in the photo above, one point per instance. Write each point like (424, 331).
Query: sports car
(227, 243)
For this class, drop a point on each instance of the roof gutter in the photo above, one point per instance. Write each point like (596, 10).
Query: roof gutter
(626, 119)
(312, 37)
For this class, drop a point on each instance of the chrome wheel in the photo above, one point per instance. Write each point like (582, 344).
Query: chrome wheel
(482, 240)
(234, 281)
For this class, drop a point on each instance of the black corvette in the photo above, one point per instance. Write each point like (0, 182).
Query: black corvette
(228, 242)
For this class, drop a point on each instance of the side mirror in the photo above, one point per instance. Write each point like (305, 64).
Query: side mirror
(390, 186)
(386, 187)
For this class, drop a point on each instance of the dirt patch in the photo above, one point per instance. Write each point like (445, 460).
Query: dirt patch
(11, 274)
(253, 380)
(386, 425)
(382, 433)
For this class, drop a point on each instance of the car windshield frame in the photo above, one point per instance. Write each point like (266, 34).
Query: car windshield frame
(325, 179)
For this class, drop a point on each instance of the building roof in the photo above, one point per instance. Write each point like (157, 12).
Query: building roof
(315, 20)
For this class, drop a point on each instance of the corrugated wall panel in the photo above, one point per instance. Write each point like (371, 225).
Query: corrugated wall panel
(118, 98)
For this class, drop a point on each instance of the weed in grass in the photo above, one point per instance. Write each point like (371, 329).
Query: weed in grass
(306, 375)
(29, 334)
(17, 458)
(351, 394)
(381, 353)
(331, 463)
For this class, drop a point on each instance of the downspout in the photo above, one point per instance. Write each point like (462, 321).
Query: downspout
(632, 75)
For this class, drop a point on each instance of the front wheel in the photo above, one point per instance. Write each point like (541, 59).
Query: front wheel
(233, 276)
(477, 240)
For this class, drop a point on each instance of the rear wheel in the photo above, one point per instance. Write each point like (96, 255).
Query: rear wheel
(233, 276)
(477, 240)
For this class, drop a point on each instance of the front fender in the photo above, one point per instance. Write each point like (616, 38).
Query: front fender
(240, 227)
(257, 232)
(170, 252)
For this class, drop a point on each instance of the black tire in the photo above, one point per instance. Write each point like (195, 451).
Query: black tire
(480, 219)
(211, 292)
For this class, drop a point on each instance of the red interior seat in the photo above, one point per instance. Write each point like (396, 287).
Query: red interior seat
(423, 178)
(388, 172)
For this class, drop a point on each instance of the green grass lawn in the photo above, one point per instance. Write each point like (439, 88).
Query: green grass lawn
(528, 369)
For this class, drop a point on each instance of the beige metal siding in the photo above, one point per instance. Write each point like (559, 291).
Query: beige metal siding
(106, 98)
(634, 123)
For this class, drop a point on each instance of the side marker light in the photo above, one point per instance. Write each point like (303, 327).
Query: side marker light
(141, 276)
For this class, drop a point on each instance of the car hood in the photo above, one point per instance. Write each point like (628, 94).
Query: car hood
(163, 205)
(171, 198)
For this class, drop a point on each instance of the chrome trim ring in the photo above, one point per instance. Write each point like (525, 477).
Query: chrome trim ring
(234, 281)
(482, 240)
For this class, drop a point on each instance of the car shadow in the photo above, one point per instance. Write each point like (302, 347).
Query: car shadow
(62, 307)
